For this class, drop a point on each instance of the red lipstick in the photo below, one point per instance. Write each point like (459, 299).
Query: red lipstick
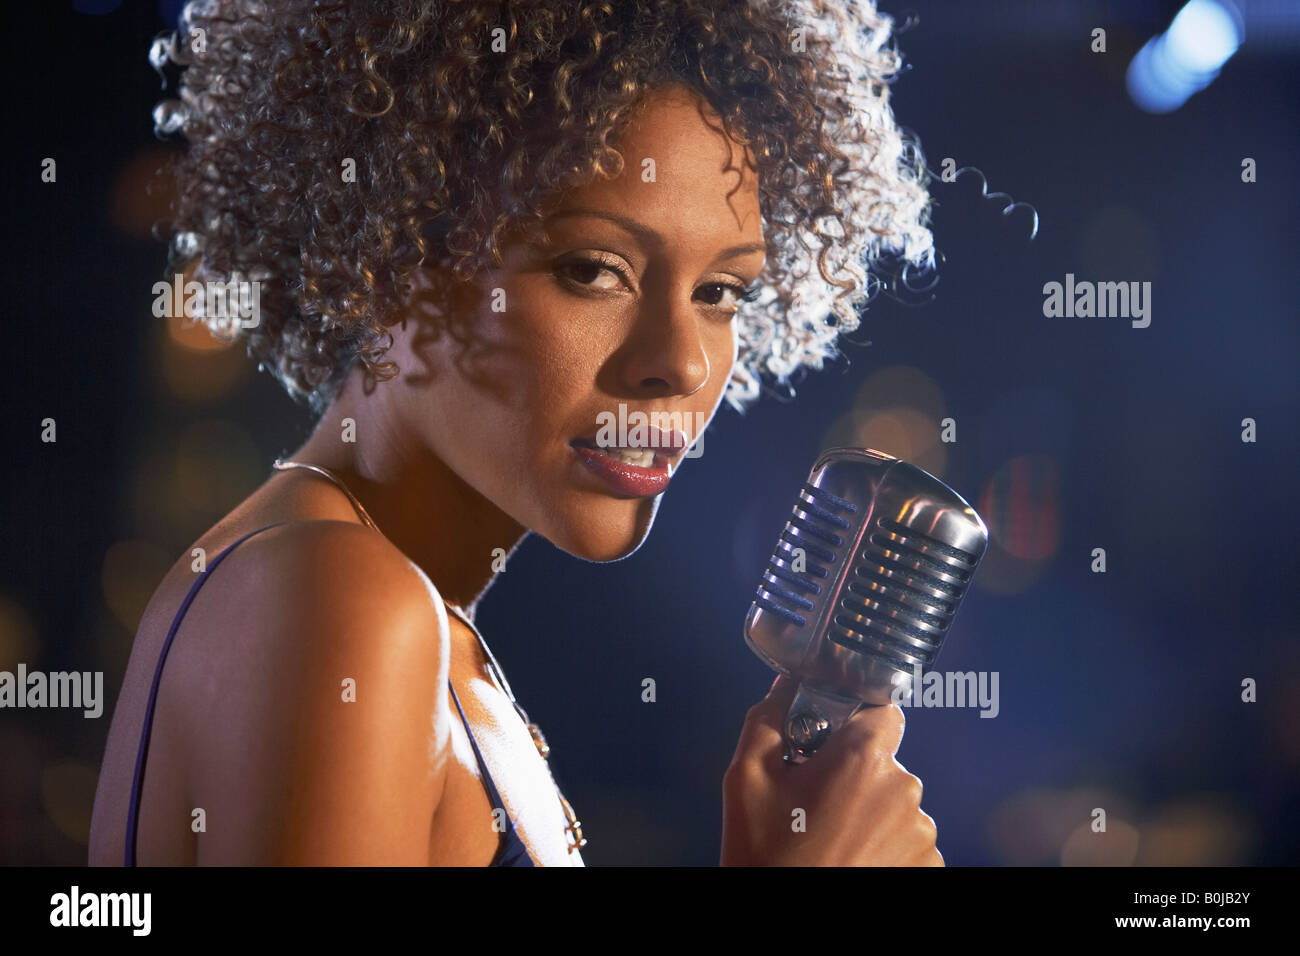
(623, 477)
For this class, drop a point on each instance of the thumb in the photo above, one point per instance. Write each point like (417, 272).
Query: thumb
(764, 731)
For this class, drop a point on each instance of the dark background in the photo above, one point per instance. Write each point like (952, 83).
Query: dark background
(1120, 690)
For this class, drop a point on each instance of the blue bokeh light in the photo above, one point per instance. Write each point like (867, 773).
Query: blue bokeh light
(1185, 58)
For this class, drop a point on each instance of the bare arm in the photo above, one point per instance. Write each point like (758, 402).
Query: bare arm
(330, 736)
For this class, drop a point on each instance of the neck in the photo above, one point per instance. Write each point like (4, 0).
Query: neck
(443, 525)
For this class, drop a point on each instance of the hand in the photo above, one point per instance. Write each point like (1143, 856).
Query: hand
(861, 806)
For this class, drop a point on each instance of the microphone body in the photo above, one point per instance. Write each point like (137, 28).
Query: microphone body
(862, 587)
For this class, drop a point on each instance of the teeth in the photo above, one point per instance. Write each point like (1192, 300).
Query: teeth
(641, 457)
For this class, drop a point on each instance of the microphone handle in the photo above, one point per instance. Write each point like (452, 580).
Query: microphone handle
(812, 718)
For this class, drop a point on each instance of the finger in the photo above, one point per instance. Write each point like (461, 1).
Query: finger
(877, 726)
(763, 732)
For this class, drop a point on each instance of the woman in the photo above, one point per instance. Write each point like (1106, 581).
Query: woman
(477, 230)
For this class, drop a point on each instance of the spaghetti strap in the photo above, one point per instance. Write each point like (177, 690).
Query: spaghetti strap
(133, 817)
(512, 851)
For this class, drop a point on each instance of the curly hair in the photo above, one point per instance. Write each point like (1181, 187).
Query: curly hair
(462, 118)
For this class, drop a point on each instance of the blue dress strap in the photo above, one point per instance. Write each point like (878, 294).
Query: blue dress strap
(133, 817)
(512, 851)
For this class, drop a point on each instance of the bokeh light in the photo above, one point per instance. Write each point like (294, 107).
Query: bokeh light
(17, 634)
(1198, 830)
(200, 375)
(1034, 826)
(194, 364)
(182, 488)
(191, 334)
(1118, 241)
(1040, 827)
(215, 464)
(68, 796)
(1117, 845)
(131, 571)
(1186, 57)
(896, 411)
(142, 192)
(1020, 504)
(20, 811)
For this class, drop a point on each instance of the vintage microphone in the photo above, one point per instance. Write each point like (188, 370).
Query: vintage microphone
(862, 587)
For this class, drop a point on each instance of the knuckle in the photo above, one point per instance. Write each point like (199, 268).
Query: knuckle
(927, 831)
(741, 775)
(913, 787)
(885, 723)
(731, 777)
(867, 752)
(894, 718)
(929, 827)
(861, 742)
(882, 758)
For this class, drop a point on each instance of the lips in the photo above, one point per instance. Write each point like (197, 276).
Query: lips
(637, 457)
(620, 476)
(639, 470)
(666, 444)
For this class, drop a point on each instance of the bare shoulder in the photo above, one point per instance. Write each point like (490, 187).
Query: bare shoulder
(315, 570)
(336, 591)
(314, 699)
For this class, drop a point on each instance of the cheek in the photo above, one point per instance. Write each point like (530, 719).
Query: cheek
(566, 340)
(522, 374)
(525, 351)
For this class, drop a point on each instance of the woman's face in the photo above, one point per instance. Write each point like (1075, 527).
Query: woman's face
(632, 303)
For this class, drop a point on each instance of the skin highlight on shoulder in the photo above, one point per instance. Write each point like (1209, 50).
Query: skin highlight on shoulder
(325, 704)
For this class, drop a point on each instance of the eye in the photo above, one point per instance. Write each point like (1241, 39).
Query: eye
(586, 273)
(715, 294)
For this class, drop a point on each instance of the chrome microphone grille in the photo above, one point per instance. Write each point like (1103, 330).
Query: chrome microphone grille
(901, 596)
(806, 553)
(862, 586)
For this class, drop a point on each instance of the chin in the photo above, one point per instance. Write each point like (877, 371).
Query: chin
(606, 534)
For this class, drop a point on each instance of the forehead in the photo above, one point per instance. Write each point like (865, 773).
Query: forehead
(681, 175)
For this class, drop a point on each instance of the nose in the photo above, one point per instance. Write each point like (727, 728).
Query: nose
(666, 353)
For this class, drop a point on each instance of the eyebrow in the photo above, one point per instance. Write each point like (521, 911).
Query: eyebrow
(649, 235)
